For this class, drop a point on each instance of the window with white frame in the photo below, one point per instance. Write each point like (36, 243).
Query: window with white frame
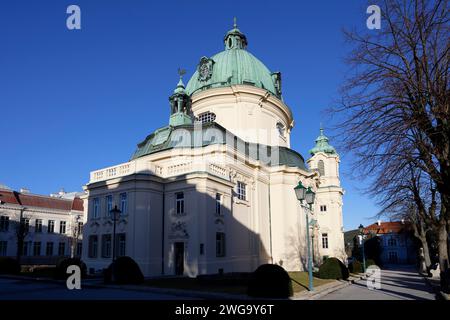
(37, 248)
(179, 203)
(61, 249)
(49, 249)
(123, 204)
(4, 223)
(106, 246)
(79, 248)
(121, 245)
(220, 244)
(323, 208)
(62, 227)
(218, 204)
(51, 226)
(25, 224)
(96, 208)
(38, 226)
(109, 205)
(241, 190)
(392, 242)
(93, 246)
(325, 240)
(3, 248)
(26, 251)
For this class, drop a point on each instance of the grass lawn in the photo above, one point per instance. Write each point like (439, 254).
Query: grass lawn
(300, 281)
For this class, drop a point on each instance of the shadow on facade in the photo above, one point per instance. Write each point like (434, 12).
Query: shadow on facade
(167, 238)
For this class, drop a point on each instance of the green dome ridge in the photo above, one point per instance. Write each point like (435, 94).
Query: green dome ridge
(234, 65)
(322, 145)
(230, 67)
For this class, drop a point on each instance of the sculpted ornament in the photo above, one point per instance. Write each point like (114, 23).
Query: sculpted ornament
(205, 69)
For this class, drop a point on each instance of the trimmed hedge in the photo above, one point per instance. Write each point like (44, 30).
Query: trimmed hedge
(355, 267)
(370, 262)
(333, 268)
(270, 281)
(9, 266)
(63, 264)
(123, 271)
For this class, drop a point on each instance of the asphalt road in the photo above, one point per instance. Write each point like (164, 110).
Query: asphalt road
(397, 283)
(11, 289)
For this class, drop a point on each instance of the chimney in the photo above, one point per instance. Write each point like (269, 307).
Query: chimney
(24, 190)
(379, 222)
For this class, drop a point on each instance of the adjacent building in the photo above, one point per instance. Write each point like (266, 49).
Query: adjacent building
(212, 191)
(46, 227)
(398, 245)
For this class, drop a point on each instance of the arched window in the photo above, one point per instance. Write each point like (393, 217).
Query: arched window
(281, 129)
(321, 167)
(206, 117)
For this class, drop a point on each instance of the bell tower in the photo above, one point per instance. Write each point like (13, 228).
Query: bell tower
(180, 104)
(328, 206)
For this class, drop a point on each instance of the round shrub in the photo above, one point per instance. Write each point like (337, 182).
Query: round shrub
(124, 271)
(333, 268)
(63, 264)
(9, 266)
(355, 267)
(370, 262)
(270, 281)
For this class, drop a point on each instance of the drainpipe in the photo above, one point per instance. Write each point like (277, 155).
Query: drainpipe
(163, 227)
(270, 225)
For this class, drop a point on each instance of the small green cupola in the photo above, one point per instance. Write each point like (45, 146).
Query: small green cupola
(235, 39)
(322, 145)
(180, 104)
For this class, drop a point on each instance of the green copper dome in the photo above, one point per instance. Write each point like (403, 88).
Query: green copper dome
(322, 145)
(234, 65)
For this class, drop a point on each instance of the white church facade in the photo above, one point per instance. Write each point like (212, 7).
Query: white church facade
(212, 191)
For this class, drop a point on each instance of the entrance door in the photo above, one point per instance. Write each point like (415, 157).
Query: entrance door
(179, 258)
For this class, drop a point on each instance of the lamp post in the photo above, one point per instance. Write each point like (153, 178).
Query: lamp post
(115, 214)
(306, 194)
(361, 233)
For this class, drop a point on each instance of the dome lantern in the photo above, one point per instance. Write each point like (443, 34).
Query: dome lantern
(180, 104)
(235, 39)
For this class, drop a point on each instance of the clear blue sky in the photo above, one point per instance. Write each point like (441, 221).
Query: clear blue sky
(75, 101)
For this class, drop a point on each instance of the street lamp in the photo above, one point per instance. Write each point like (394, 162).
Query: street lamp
(306, 194)
(361, 233)
(115, 214)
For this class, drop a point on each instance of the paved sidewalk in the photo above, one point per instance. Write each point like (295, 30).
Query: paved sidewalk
(397, 283)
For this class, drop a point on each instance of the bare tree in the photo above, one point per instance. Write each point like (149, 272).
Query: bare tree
(21, 229)
(75, 233)
(396, 102)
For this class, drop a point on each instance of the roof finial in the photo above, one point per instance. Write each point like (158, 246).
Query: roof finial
(181, 72)
(235, 23)
(321, 129)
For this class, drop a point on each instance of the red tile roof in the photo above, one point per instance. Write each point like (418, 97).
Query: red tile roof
(388, 227)
(32, 200)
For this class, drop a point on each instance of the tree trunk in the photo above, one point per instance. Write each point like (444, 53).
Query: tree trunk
(442, 245)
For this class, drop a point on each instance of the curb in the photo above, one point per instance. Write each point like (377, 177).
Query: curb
(326, 289)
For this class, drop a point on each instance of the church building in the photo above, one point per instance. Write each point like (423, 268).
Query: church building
(212, 190)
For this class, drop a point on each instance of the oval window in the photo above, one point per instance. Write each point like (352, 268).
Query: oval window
(230, 42)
